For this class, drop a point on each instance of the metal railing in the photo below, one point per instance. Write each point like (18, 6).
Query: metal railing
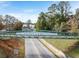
(39, 34)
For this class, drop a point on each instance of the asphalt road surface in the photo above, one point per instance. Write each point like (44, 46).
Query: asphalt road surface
(35, 49)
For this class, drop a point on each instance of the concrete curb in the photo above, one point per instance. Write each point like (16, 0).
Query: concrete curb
(54, 50)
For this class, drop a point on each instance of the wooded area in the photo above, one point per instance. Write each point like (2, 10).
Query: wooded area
(59, 18)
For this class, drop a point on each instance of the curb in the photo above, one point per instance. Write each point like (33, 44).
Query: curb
(54, 50)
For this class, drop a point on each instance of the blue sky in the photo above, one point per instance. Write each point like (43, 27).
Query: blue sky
(29, 9)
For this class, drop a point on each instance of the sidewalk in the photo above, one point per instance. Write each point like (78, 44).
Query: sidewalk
(54, 50)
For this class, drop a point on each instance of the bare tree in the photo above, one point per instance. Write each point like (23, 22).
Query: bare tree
(10, 21)
(18, 25)
(1, 23)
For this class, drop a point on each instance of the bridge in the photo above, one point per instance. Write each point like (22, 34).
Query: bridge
(34, 48)
(24, 34)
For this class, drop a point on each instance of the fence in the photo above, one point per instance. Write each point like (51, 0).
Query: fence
(39, 34)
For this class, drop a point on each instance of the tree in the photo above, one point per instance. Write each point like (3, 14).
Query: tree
(56, 17)
(11, 22)
(37, 25)
(51, 14)
(64, 8)
(1, 24)
(77, 14)
(58, 14)
(52, 9)
(18, 25)
(41, 23)
(1, 18)
(74, 24)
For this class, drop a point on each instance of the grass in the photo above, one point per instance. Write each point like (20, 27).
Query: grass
(63, 44)
(2, 54)
(74, 53)
(22, 48)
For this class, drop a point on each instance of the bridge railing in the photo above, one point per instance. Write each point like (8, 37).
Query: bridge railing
(25, 34)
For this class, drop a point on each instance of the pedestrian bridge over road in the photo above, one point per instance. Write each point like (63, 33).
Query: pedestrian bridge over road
(35, 35)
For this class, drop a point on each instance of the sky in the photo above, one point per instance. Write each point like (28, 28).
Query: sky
(24, 10)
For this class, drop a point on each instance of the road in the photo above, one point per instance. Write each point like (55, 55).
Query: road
(35, 49)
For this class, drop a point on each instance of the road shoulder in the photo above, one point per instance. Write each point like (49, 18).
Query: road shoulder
(54, 50)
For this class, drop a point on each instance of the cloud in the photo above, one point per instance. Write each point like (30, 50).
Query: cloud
(29, 10)
(21, 14)
(4, 4)
(24, 17)
(26, 14)
(35, 10)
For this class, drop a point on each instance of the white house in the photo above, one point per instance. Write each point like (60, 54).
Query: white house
(27, 27)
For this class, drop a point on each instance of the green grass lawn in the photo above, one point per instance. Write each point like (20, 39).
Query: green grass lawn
(74, 53)
(63, 44)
